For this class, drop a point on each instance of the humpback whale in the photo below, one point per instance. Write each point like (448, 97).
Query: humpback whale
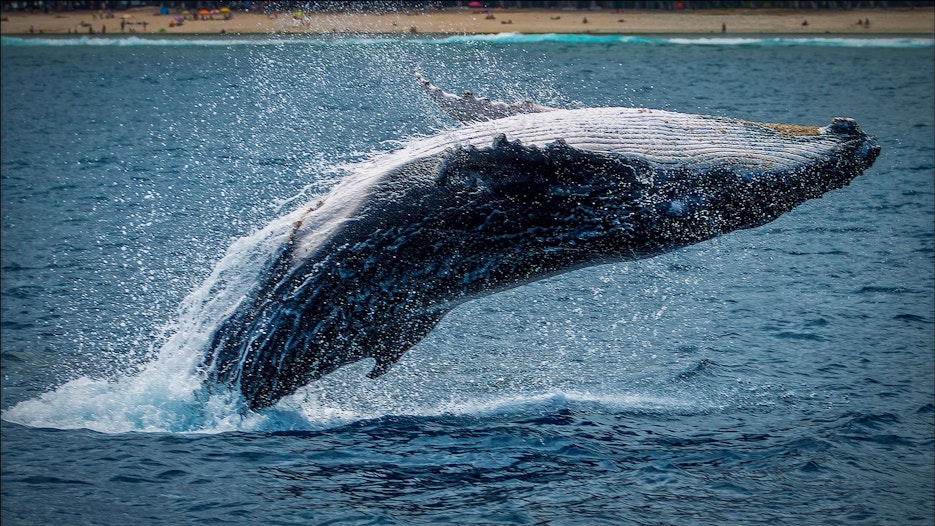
(519, 193)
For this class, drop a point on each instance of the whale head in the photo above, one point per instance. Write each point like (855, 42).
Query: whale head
(568, 207)
(688, 205)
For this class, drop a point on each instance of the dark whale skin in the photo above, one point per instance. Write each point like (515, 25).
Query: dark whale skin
(467, 220)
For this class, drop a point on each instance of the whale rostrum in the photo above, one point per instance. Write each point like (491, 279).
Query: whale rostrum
(519, 193)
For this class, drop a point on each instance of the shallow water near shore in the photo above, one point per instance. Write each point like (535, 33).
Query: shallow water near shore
(782, 374)
(886, 41)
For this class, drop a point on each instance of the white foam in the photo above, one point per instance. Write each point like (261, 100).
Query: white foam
(165, 395)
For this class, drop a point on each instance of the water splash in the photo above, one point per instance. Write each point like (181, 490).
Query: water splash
(166, 395)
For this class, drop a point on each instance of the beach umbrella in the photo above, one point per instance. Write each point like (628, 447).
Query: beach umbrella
(204, 12)
(475, 4)
(225, 10)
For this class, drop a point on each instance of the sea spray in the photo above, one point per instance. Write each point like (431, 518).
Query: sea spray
(166, 394)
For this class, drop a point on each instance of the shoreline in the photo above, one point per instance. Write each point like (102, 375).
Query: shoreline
(146, 21)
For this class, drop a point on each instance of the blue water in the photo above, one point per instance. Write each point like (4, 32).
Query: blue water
(784, 374)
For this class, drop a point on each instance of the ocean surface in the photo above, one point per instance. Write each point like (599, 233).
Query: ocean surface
(780, 375)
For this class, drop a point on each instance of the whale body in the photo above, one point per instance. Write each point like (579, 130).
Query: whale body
(506, 200)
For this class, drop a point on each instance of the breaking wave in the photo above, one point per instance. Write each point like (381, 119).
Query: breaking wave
(499, 38)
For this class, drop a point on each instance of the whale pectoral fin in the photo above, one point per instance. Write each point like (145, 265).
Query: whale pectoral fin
(383, 365)
(408, 333)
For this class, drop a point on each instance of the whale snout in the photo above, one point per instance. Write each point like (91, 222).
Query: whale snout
(844, 126)
(870, 151)
(865, 147)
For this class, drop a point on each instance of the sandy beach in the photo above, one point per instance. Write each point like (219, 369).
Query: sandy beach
(147, 20)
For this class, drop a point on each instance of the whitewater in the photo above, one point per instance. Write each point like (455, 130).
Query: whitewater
(501, 38)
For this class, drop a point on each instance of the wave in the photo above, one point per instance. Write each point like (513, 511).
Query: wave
(192, 41)
(149, 404)
(498, 38)
(568, 38)
(893, 42)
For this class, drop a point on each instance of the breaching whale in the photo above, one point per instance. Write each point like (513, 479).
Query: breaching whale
(520, 193)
